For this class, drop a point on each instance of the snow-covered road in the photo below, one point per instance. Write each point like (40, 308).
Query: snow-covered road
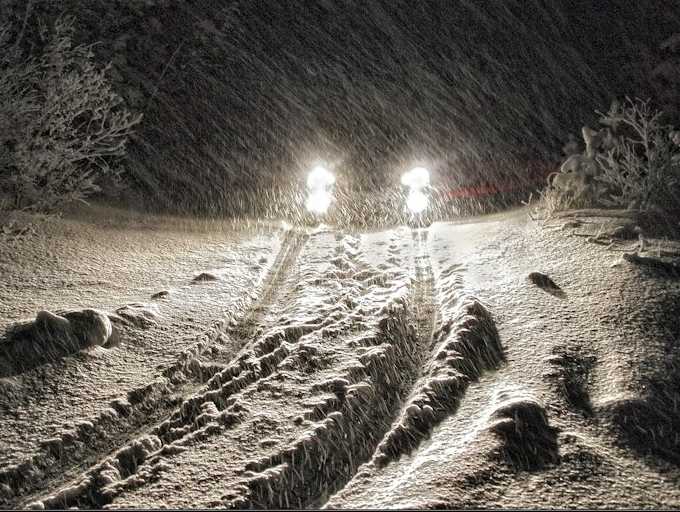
(322, 367)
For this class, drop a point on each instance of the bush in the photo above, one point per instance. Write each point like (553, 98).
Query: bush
(633, 162)
(62, 126)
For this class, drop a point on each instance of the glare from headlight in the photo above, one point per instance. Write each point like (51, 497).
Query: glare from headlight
(319, 182)
(416, 178)
(417, 201)
(320, 178)
(319, 201)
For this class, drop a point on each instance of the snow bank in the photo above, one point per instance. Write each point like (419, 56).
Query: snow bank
(53, 335)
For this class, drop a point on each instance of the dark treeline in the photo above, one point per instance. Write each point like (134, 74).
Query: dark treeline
(240, 98)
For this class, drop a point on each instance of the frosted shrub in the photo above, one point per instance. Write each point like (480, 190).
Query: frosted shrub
(633, 161)
(643, 166)
(61, 124)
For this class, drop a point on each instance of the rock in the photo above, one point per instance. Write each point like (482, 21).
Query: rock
(90, 326)
(205, 276)
(63, 332)
(547, 284)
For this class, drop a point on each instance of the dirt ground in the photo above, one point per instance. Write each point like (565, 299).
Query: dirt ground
(498, 362)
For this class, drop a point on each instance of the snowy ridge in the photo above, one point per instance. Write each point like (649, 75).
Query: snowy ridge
(465, 345)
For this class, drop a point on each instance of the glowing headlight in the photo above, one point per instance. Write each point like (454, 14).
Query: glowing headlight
(319, 179)
(417, 201)
(319, 201)
(416, 180)
(319, 182)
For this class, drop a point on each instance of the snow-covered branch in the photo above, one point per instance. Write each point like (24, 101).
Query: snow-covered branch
(61, 124)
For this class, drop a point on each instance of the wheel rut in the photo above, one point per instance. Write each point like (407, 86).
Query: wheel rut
(136, 415)
(349, 356)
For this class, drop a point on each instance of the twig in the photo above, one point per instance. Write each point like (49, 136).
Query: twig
(599, 213)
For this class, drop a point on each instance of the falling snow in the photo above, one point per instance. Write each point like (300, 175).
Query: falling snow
(370, 335)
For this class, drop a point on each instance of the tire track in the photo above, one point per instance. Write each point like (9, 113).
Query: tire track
(213, 404)
(357, 403)
(133, 417)
(426, 311)
(296, 352)
(462, 343)
(362, 357)
(244, 329)
(360, 404)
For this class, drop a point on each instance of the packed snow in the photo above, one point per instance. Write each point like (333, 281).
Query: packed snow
(326, 367)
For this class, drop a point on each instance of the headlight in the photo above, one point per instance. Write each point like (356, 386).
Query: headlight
(319, 201)
(416, 180)
(319, 179)
(319, 182)
(417, 201)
